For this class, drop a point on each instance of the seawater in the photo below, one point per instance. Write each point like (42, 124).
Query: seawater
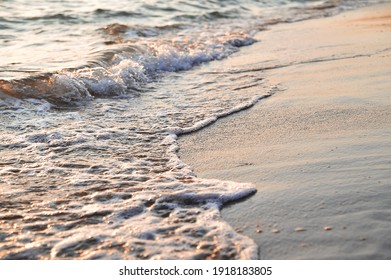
(93, 96)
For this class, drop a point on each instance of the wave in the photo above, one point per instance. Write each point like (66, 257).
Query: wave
(58, 16)
(126, 71)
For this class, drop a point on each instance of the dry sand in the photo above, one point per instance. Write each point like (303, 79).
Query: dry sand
(319, 151)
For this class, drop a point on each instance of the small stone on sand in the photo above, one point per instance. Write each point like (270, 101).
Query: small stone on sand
(298, 229)
(327, 228)
(238, 230)
(274, 230)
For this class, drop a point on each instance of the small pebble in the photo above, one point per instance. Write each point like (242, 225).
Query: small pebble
(298, 229)
(239, 230)
(258, 230)
(274, 230)
(327, 228)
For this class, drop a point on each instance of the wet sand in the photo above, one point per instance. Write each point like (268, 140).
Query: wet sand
(319, 150)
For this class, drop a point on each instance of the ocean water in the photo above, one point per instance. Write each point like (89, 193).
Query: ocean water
(93, 95)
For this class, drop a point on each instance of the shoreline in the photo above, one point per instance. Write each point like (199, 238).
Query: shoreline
(319, 150)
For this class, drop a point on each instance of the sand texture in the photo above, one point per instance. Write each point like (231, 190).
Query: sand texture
(319, 150)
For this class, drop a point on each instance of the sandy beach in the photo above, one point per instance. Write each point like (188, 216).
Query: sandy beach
(319, 150)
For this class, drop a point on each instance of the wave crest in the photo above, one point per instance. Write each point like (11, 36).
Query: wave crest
(126, 72)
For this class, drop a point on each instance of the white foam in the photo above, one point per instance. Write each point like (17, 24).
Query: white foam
(111, 171)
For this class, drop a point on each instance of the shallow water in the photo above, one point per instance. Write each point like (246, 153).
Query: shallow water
(92, 99)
